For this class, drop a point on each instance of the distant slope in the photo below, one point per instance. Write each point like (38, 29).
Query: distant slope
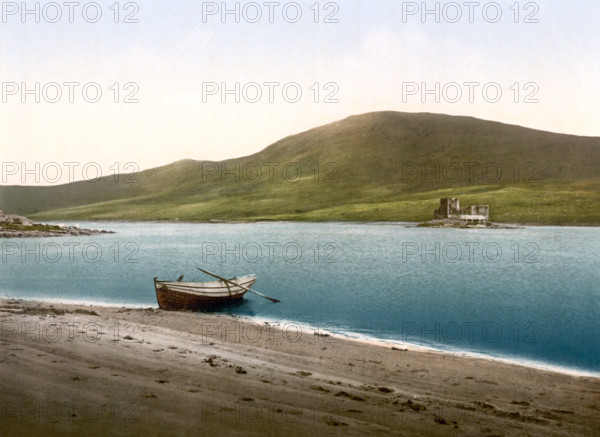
(376, 166)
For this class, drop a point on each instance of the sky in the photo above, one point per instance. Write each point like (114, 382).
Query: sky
(126, 86)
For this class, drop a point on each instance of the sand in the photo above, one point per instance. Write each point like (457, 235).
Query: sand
(81, 370)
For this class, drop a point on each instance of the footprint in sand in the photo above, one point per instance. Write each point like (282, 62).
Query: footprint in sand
(335, 423)
(210, 362)
(521, 403)
(415, 406)
(349, 396)
(319, 388)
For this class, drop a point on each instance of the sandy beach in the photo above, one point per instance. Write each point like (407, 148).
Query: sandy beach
(82, 370)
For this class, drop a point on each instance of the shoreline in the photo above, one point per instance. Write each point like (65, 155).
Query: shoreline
(346, 335)
(416, 347)
(510, 226)
(15, 226)
(177, 373)
(65, 232)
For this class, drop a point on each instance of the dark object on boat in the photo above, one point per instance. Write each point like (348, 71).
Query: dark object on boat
(174, 295)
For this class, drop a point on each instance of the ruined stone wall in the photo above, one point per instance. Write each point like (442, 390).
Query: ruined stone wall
(450, 209)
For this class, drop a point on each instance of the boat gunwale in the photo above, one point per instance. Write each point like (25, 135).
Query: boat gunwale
(209, 284)
(223, 291)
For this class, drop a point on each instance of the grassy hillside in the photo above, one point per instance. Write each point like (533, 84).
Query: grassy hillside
(380, 166)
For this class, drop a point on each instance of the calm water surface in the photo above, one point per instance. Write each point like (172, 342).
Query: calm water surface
(525, 294)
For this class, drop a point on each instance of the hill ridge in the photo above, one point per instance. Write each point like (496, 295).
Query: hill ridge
(375, 166)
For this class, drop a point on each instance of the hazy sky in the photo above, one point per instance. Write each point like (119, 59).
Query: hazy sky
(371, 56)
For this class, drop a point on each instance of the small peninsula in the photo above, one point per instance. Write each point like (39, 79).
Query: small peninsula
(15, 226)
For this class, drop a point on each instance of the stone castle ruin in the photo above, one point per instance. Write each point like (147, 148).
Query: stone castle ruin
(450, 210)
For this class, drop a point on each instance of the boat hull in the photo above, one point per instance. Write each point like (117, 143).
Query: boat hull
(194, 296)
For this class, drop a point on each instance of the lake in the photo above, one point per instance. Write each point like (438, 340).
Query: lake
(530, 295)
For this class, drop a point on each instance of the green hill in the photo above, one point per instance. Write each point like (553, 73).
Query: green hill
(384, 166)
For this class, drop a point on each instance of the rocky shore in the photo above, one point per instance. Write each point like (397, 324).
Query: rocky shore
(465, 224)
(14, 226)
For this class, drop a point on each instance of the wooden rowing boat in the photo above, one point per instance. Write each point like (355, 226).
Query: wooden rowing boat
(177, 295)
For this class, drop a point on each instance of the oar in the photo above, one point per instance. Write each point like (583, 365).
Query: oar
(238, 285)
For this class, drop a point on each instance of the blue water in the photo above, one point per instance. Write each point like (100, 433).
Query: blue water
(531, 295)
